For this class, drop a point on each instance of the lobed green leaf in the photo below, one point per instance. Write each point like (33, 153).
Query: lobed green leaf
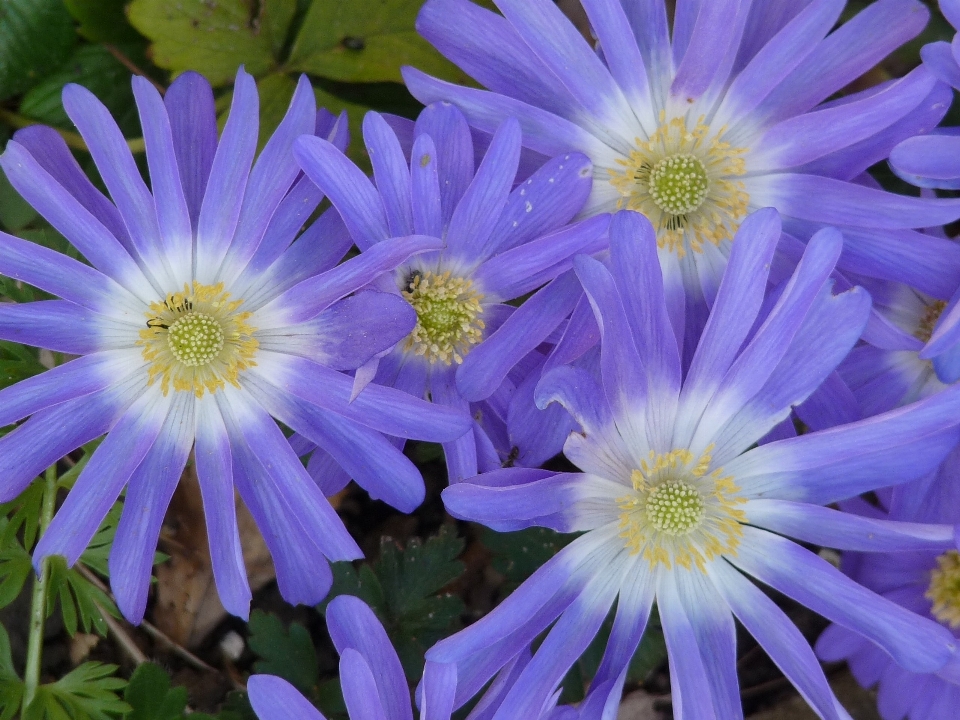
(286, 653)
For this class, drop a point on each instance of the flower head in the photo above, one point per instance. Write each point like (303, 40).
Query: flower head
(926, 582)
(700, 119)
(678, 504)
(912, 353)
(500, 240)
(200, 316)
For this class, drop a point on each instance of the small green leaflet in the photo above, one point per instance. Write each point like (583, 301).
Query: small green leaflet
(87, 692)
(151, 698)
(401, 588)
(286, 653)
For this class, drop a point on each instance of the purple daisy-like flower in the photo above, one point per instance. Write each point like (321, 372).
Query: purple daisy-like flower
(499, 242)
(374, 686)
(910, 350)
(926, 582)
(676, 504)
(197, 319)
(933, 160)
(698, 122)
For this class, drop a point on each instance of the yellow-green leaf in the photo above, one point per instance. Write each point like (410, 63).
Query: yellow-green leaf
(212, 37)
(365, 41)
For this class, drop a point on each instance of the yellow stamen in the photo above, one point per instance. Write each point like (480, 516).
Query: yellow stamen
(944, 589)
(449, 318)
(196, 341)
(929, 320)
(681, 512)
(685, 182)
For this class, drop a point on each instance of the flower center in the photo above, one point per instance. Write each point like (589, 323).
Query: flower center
(678, 184)
(675, 508)
(929, 321)
(196, 340)
(680, 511)
(944, 589)
(449, 314)
(686, 182)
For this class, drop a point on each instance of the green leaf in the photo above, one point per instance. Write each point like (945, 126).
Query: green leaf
(6, 655)
(288, 654)
(276, 91)
(236, 707)
(347, 580)
(15, 568)
(97, 70)
(36, 37)
(365, 41)
(517, 555)
(103, 21)
(276, 18)
(151, 697)
(26, 516)
(82, 603)
(11, 687)
(411, 575)
(400, 588)
(11, 695)
(213, 38)
(88, 691)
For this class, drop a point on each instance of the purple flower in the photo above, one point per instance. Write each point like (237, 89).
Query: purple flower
(499, 242)
(910, 350)
(676, 504)
(933, 161)
(374, 687)
(197, 319)
(698, 122)
(926, 582)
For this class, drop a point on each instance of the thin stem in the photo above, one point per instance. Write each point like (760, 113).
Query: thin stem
(72, 139)
(38, 602)
(132, 66)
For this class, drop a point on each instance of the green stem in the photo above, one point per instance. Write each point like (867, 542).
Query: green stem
(38, 602)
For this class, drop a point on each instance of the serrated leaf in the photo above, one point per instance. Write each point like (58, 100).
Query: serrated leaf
(150, 696)
(82, 603)
(400, 588)
(286, 653)
(365, 41)
(517, 555)
(103, 21)
(36, 37)
(25, 517)
(362, 583)
(97, 70)
(15, 568)
(212, 37)
(88, 691)
(418, 571)
(11, 686)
